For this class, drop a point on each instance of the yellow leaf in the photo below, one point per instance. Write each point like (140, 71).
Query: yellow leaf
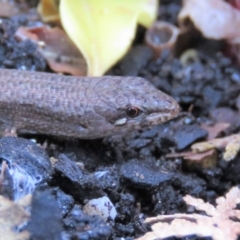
(103, 30)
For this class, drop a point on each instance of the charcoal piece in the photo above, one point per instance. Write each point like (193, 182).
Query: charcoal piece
(187, 135)
(45, 222)
(75, 181)
(65, 202)
(142, 175)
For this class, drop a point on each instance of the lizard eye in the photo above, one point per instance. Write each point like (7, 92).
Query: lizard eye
(132, 112)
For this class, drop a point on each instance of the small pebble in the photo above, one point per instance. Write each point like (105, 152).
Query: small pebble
(102, 207)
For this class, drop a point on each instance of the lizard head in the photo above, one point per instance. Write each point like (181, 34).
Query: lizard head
(132, 103)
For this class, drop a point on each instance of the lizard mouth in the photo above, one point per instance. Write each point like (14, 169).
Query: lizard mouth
(158, 118)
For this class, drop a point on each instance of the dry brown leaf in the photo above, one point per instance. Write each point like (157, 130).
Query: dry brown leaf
(204, 154)
(57, 48)
(176, 155)
(215, 130)
(13, 217)
(199, 156)
(215, 19)
(235, 3)
(7, 9)
(217, 222)
(205, 159)
(230, 143)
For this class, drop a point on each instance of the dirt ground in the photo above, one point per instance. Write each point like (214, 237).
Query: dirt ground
(133, 170)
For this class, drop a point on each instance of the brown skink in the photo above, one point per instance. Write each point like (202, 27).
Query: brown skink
(80, 107)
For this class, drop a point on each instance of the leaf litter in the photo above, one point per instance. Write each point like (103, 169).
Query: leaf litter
(220, 222)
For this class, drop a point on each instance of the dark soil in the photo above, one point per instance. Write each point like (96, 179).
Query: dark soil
(132, 170)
